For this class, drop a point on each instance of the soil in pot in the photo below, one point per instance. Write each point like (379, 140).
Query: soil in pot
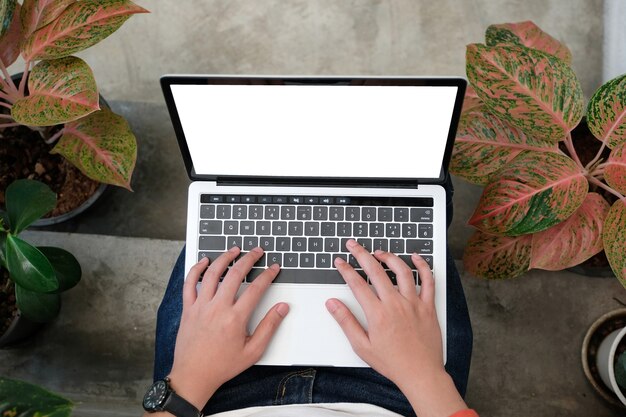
(8, 308)
(17, 161)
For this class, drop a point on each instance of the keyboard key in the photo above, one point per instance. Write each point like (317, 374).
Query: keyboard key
(210, 227)
(207, 211)
(327, 200)
(407, 260)
(256, 212)
(262, 261)
(246, 227)
(250, 242)
(231, 227)
(223, 212)
(311, 200)
(327, 229)
(400, 214)
(316, 244)
(296, 228)
(279, 228)
(393, 230)
(263, 228)
(429, 260)
(335, 213)
(322, 260)
(288, 213)
(279, 199)
(233, 199)
(205, 198)
(409, 230)
(212, 243)
(267, 243)
(320, 213)
(368, 214)
(283, 244)
(353, 262)
(274, 258)
(211, 255)
(309, 276)
(392, 276)
(265, 199)
(343, 246)
(311, 229)
(385, 214)
(307, 260)
(381, 244)
(344, 229)
(339, 255)
(396, 245)
(254, 273)
(366, 243)
(232, 241)
(272, 212)
(419, 246)
(353, 214)
(360, 230)
(343, 200)
(331, 244)
(290, 260)
(377, 229)
(425, 230)
(421, 215)
(298, 244)
(240, 212)
(296, 200)
(248, 199)
(304, 212)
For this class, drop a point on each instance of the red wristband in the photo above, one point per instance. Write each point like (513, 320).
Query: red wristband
(465, 413)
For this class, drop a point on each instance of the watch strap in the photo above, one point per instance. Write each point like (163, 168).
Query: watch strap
(180, 407)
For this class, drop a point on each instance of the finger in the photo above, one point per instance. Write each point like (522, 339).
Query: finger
(250, 298)
(404, 275)
(215, 271)
(189, 287)
(427, 291)
(349, 324)
(257, 343)
(237, 273)
(359, 287)
(372, 268)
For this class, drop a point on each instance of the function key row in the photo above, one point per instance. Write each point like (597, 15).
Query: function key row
(327, 200)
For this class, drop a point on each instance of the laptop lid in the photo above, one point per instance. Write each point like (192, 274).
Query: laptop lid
(382, 131)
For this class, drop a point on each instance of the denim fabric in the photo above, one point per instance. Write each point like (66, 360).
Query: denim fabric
(274, 385)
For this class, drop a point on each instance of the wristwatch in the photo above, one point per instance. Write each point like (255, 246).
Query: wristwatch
(161, 397)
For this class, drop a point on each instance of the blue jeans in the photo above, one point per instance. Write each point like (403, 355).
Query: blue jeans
(277, 385)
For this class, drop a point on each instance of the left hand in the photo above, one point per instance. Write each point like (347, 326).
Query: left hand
(213, 344)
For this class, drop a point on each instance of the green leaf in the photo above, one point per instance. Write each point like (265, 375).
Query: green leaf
(529, 35)
(606, 112)
(29, 267)
(60, 91)
(620, 370)
(18, 398)
(81, 25)
(36, 306)
(615, 169)
(614, 237)
(533, 192)
(102, 146)
(484, 144)
(66, 268)
(27, 201)
(11, 37)
(497, 257)
(536, 92)
(572, 241)
(7, 9)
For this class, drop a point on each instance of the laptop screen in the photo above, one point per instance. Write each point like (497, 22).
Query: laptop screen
(320, 131)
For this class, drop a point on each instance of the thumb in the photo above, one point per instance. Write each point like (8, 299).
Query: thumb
(349, 324)
(266, 329)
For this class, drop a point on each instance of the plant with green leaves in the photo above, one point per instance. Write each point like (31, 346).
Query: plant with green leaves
(61, 88)
(18, 398)
(39, 274)
(541, 206)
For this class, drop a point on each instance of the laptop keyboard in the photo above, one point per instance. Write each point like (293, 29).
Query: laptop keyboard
(305, 234)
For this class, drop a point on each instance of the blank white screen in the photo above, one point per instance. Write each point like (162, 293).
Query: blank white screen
(316, 131)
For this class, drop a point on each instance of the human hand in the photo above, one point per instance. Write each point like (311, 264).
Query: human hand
(213, 344)
(403, 338)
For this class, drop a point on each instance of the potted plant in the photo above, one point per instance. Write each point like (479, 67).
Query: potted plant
(27, 400)
(544, 205)
(604, 357)
(52, 126)
(31, 278)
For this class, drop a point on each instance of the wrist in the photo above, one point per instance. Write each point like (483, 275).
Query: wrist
(196, 392)
(433, 394)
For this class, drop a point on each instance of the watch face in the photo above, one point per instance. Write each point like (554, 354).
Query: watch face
(155, 396)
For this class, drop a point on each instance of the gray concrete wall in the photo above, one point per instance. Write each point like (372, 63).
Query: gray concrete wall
(416, 37)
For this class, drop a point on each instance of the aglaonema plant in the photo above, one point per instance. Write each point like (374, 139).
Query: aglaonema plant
(39, 274)
(541, 206)
(18, 398)
(61, 88)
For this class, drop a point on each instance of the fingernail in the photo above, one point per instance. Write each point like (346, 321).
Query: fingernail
(258, 249)
(339, 261)
(282, 309)
(205, 260)
(233, 249)
(378, 252)
(351, 243)
(332, 305)
(275, 267)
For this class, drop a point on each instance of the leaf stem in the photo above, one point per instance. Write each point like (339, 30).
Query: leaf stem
(55, 137)
(23, 80)
(602, 185)
(2, 126)
(6, 116)
(8, 81)
(572, 151)
(8, 106)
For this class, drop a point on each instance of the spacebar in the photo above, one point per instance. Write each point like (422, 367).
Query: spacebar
(309, 276)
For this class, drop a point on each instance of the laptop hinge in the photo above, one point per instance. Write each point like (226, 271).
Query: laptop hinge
(311, 182)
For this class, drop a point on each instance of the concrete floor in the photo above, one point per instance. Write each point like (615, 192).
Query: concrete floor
(99, 352)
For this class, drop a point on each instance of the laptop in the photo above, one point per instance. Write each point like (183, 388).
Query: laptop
(298, 165)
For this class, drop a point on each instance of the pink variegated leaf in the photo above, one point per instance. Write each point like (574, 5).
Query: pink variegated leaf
(615, 170)
(38, 13)
(79, 26)
(606, 112)
(60, 90)
(535, 191)
(102, 146)
(572, 241)
(497, 257)
(536, 92)
(7, 11)
(485, 143)
(614, 237)
(529, 35)
(471, 100)
(11, 38)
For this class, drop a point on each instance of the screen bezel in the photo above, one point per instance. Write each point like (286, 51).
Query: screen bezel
(168, 80)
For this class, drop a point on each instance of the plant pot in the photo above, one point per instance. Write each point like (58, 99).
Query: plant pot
(76, 191)
(596, 353)
(20, 329)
